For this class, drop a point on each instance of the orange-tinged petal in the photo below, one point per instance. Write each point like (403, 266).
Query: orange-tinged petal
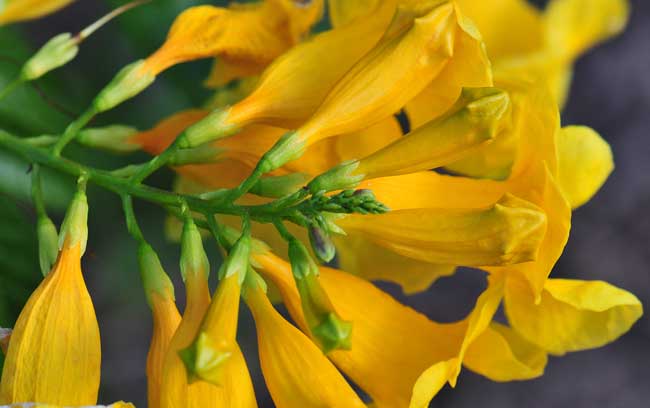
(21, 10)
(571, 315)
(256, 32)
(157, 139)
(295, 370)
(54, 353)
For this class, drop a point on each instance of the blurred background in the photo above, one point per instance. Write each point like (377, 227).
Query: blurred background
(610, 237)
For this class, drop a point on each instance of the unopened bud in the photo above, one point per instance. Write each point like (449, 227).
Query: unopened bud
(57, 52)
(48, 244)
(129, 82)
(321, 244)
(114, 138)
(193, 257)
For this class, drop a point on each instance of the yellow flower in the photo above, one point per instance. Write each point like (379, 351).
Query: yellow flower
(381, 364)
(19, 10)
(54, 353)
(252, 35)
(120, 404)
(571, 315)
(296, 372)
(166, 318)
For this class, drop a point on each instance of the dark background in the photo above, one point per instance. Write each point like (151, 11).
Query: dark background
(610, 237)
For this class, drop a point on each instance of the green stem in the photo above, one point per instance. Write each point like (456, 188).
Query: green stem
(131, 220)
(10, 87)
(73, 130)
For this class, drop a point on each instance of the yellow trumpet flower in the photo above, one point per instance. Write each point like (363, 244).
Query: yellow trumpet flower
(120, 404)
(12, 11)
(295, 370)
(54, 354)
(378, 340)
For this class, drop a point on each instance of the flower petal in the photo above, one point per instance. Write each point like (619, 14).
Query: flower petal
(572, 315)
(585, 162)
(20, 10)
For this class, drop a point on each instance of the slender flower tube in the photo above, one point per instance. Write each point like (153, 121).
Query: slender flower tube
(12, 11)
(166, 318)
(478, 117)
(54, 353)
(295, 370)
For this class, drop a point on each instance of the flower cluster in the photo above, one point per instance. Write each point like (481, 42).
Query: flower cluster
(299, 161)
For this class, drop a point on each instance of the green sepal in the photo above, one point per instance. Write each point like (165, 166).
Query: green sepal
(154, 278)
(213, 127)
(288, 148)
(58, 51)
(193, 256)
(75, 224)
(339, 177)
(333, 333)
(205, 360)
(279, 186)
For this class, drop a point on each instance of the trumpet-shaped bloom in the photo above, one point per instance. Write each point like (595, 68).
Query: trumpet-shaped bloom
(255, 33)
(54, 353)
(571, 315)
(120, 404)
(295, 370)
(378, 361)
(20, 10)
(507, 232)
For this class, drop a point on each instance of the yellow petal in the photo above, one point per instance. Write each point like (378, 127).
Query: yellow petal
(501, 354)
(343, 12)
(295, 370)
(156, 139)
(440, 95)
(54, 353)
(256, 32)
(509, 231)
(378, 362)
(224, 70)
(508, 27)
(573, 26)
(585, 162)
(289, 92)
(381, 83)
(20, 10)
(572, 314)
(362, 257)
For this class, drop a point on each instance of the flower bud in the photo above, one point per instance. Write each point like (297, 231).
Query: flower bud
(57, 52)
(114, 138)
(129, 82)
(48, 244)
(212, 127)
(321, 244)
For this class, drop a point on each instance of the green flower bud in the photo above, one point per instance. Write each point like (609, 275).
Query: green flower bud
(337, 178)
(321, 244)
(197, 155)
(154, 278)
(129, 82)
(279, 186)
(48, 244)
(57, 52)
(114, 138)
(75, 225)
